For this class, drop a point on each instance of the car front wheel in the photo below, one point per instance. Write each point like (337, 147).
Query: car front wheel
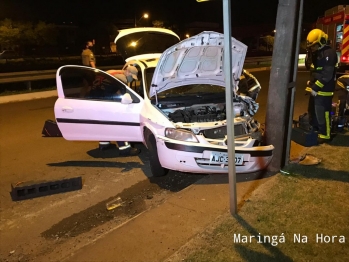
(155, 166)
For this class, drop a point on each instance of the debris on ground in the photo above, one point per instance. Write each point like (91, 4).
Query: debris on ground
(117, 202)
(306, 160)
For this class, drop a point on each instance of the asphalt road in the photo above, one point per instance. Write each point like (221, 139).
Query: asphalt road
(301, 100)
(37, 226)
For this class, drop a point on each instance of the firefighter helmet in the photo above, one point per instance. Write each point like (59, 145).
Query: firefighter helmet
(317, 36)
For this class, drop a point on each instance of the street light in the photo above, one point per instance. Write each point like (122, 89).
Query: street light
(143, 16)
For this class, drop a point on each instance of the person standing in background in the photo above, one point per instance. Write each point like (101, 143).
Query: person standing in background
(87, 56)
(343, 94)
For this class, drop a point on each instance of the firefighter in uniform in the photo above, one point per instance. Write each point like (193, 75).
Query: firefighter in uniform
(343, 95)
(322, 83)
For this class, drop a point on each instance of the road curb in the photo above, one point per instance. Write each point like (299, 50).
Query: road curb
(27, 96)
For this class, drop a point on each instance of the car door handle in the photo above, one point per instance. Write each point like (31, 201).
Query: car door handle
(67, 109)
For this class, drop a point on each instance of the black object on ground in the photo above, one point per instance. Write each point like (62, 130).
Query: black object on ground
(302, 133)
(31, 189)
(51, 129)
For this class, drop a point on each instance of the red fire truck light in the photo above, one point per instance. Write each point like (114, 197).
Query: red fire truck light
(345, 58)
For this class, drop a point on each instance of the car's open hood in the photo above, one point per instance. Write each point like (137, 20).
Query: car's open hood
(196, 60)
(144, 40)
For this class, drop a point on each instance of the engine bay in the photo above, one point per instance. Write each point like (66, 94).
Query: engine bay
(201, 113)
(244, 124)
(205, 113)
(210, 112)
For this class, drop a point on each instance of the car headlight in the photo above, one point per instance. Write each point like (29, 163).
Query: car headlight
(180, 134)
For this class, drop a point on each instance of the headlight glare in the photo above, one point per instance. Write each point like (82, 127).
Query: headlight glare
(180, 134)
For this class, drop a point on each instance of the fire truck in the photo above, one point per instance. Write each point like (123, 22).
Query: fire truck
(335, 23)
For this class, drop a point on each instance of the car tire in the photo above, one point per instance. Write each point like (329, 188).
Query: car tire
(156, 169)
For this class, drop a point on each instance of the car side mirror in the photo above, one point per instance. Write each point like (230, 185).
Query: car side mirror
(126, 99)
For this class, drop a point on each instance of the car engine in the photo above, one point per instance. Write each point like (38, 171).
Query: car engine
(243, 106)
(199, 114)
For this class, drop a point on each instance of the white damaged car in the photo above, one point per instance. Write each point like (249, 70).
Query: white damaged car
(176, 108)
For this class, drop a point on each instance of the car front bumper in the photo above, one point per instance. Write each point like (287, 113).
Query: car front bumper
(196, 157)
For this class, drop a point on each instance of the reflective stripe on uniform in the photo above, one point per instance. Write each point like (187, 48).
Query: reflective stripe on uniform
(328, 124)
(320, 93)
(341, 84)
(328, 127)
(319, 84)
(324, 137)
(308, 89)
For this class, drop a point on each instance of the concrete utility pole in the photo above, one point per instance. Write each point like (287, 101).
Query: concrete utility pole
(293, 89)
(282, 81)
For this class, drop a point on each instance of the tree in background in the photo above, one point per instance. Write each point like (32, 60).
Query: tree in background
(267, 42)
(18, 35)
(158, 23)
(45, 34)
(9, 34)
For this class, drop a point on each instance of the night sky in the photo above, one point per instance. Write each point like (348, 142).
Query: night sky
(245, 12)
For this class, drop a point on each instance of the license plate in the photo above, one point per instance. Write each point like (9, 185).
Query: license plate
(222, 158)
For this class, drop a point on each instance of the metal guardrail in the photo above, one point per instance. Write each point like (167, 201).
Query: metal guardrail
(258, 60)
(265, 59)
(30, 76)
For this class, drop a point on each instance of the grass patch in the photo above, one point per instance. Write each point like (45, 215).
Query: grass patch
(314, 200)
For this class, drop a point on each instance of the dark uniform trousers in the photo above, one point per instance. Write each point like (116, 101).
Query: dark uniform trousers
(319, 109)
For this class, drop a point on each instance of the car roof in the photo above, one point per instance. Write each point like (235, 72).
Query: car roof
(144, 63)
(142, 41)
(128, 31)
